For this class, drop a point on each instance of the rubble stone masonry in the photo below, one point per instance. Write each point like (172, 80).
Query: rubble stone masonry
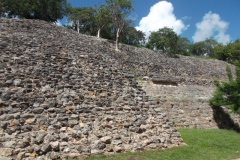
(68, 95)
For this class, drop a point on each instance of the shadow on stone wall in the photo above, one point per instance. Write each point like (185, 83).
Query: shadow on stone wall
(224, 120)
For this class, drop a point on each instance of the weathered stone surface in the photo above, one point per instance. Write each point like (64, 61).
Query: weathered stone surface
(23, 143)
(6, 152)
(66, 95)
(52, 155)
(20, 156)
(37, 110)
(40, 137)
(4, 125)
(46, 148)
(5, 158)
(9, 144)
(106, 139)
(63, 136)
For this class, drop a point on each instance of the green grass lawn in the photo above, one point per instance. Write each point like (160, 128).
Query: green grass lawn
(202, 144)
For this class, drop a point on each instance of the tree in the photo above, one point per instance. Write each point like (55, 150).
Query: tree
(2, 8)
(198, 49)
(236, 52)
(229, 52)
(132, 36)
(107, 32)
(82, 18)
(165, 39)
(210, 44)
(204, 48)
(102, 18)
(119, 11)
(221, 52)
(233, 50)
(228, 93)
(48, 10)
(183, 46)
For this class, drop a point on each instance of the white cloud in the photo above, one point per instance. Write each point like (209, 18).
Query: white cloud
(212, 26)
(161, 15)
(186, 18)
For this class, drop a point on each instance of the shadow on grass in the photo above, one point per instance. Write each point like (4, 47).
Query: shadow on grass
(223, 119)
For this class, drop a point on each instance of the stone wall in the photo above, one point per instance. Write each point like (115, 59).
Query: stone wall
(64, 94)
(60, 97)
(188, 106)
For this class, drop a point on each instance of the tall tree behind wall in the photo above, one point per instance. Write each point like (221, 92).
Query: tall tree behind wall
(82, 18)
(132, 36)
(119, 10)
(165, 40)
(102, 18)
(2, 8)
(229, 52)
(48, 10)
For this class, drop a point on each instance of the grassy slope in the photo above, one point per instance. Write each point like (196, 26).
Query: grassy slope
(202, 144)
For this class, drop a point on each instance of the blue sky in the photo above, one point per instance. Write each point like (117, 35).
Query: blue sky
(194, 19)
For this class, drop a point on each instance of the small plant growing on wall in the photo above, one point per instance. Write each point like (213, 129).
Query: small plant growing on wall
(227, 93)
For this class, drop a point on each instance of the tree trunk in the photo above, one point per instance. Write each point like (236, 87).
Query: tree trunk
(98, 33)
(117, 36)
(78, 27)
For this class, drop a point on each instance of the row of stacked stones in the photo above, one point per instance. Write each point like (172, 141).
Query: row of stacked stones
(61, 96)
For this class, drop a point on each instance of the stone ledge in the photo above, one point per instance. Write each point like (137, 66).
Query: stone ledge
(165, 80)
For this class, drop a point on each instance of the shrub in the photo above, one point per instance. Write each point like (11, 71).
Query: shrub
(228, 92)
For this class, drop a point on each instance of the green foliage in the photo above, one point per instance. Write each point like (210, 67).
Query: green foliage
(229, 52)
(107, 21)
(132, 36)
(183, 46)
(119, 8)
(229, 73)
(48, 10)
(82, 19)
(234, 52)
(221, 52)
(102, 18)
(228, 93)
(203, 48)
(119, 11)
(2, 8)
(165, 39)
(210, 44)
